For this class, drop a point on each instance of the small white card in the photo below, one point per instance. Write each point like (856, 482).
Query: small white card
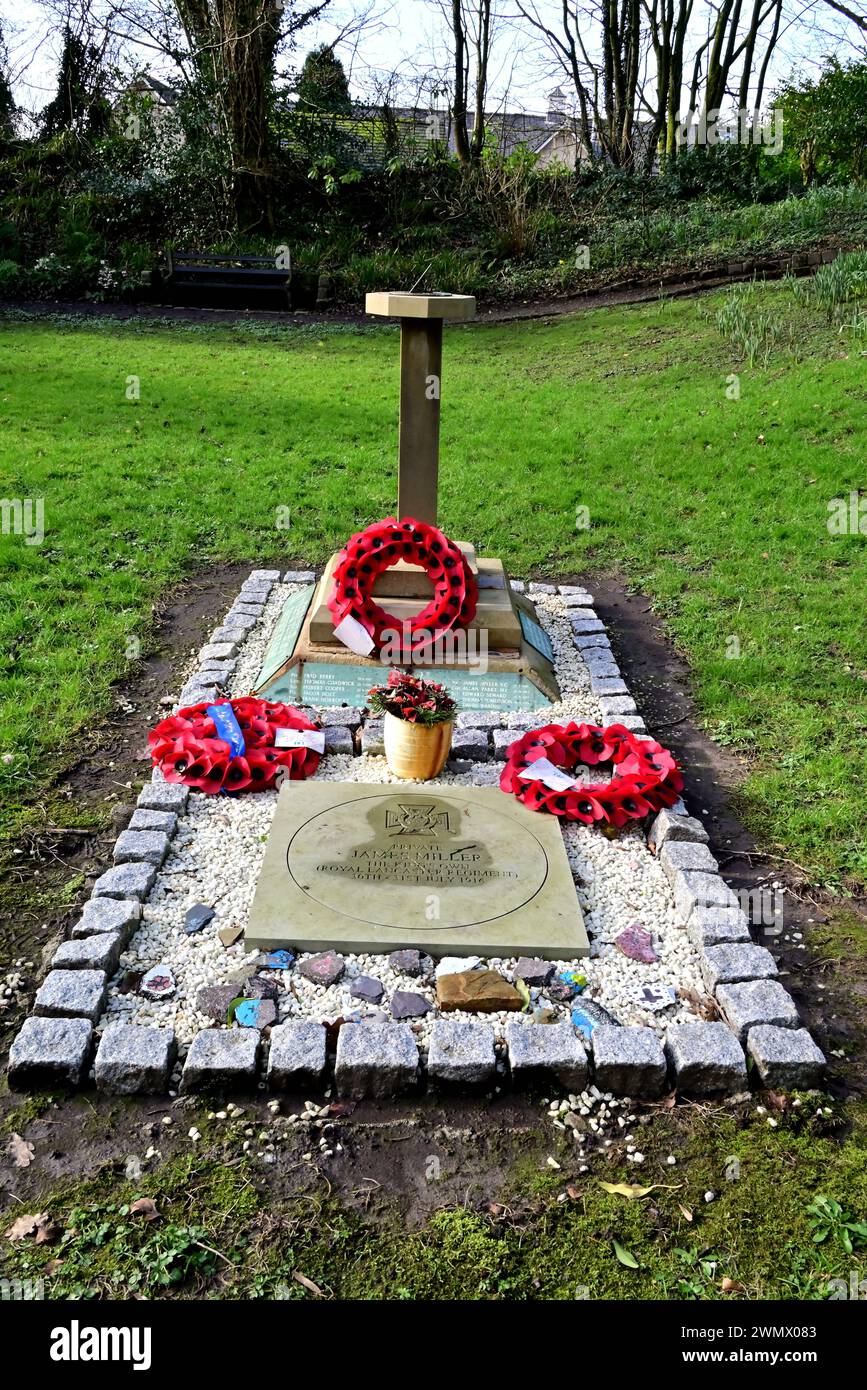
(542, 770)
(300, 738)
(354, 635)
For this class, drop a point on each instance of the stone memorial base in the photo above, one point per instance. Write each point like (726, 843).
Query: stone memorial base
(505, 662)
(374, 868)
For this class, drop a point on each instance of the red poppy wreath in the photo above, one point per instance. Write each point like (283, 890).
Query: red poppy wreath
(540, 771)
(364, 558)
(188, 747)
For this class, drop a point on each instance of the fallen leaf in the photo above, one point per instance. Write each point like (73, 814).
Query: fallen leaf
(625, 1256)
(495, 1209)
(776, 1101)
(307, 1283)
(340, 1109)
(21, 1151)
(52, 1267)
(633, 1189)
(731, 1286)
(40, 1226)
(146, 1207)
(573, 1194)
(685, 1212)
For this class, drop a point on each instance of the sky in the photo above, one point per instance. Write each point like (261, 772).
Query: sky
(402, 36)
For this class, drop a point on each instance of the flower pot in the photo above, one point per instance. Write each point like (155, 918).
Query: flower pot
(416, 751)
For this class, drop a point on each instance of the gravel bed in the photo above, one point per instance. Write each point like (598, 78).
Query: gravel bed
(217, 852)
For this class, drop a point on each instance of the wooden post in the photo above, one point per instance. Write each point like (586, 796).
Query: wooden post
(421, 358)
(421, 353)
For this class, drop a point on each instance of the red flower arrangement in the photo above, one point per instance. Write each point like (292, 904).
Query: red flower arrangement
(411, 699)
(646, 776)
(187, 749)
(368, 553)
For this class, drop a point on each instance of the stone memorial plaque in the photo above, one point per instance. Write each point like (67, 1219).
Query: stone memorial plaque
(327, 684)
(452, 872)
(285, 634)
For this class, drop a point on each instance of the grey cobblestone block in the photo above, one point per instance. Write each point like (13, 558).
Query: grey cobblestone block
(754, 1002)
(98, 952)
(633, 722)
(786, 1058)
(539, 1051)
(668, 828)
(216, 672)
(502, 742)
(142, 819)
(112, 915)
(686, 856)
(594, 657)
(584, 620)
(517, 586)
(732, 961)
(244, 622)
(222, 1057)
(297, 1057)
(338, 740)
(234, 632)
(692, 890)
(711, 926)
(345, 717)
(461, 1053)
(255, 593)
(375, 1059)
(164, 796)
(602, 670)
(628, 1061)
(373, 738)
(592, 641)
(575, 591)
(706, 1059)
(535, 587)
(479, 719)
(134, 1061)
(614, 707)
(607, 685)
(522, 720)
(218, 651)
(299, 577)
(126, 881)
(263, 577)
(50, 1051)
(250, 610)
(197, 692)
(471, 744)
(141, 846)
(71, 994)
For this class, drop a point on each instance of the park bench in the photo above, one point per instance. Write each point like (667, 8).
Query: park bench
(197, 272)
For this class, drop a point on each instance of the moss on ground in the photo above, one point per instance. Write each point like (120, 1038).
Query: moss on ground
(222, 1230)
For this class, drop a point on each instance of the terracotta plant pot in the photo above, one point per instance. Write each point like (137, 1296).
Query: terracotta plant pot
(416, 751)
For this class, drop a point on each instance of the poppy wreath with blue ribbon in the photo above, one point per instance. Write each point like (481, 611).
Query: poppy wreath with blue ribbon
(186, 747)
(370, 552)
(646, 776)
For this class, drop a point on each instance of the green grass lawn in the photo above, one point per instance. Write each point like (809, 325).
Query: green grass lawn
(716, 507)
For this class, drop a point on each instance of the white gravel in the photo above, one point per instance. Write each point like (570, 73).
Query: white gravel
(217, 853)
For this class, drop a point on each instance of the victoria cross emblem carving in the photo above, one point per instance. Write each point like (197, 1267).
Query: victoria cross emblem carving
(417, 819)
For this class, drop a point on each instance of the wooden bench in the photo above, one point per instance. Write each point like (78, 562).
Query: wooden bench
(206, 271)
